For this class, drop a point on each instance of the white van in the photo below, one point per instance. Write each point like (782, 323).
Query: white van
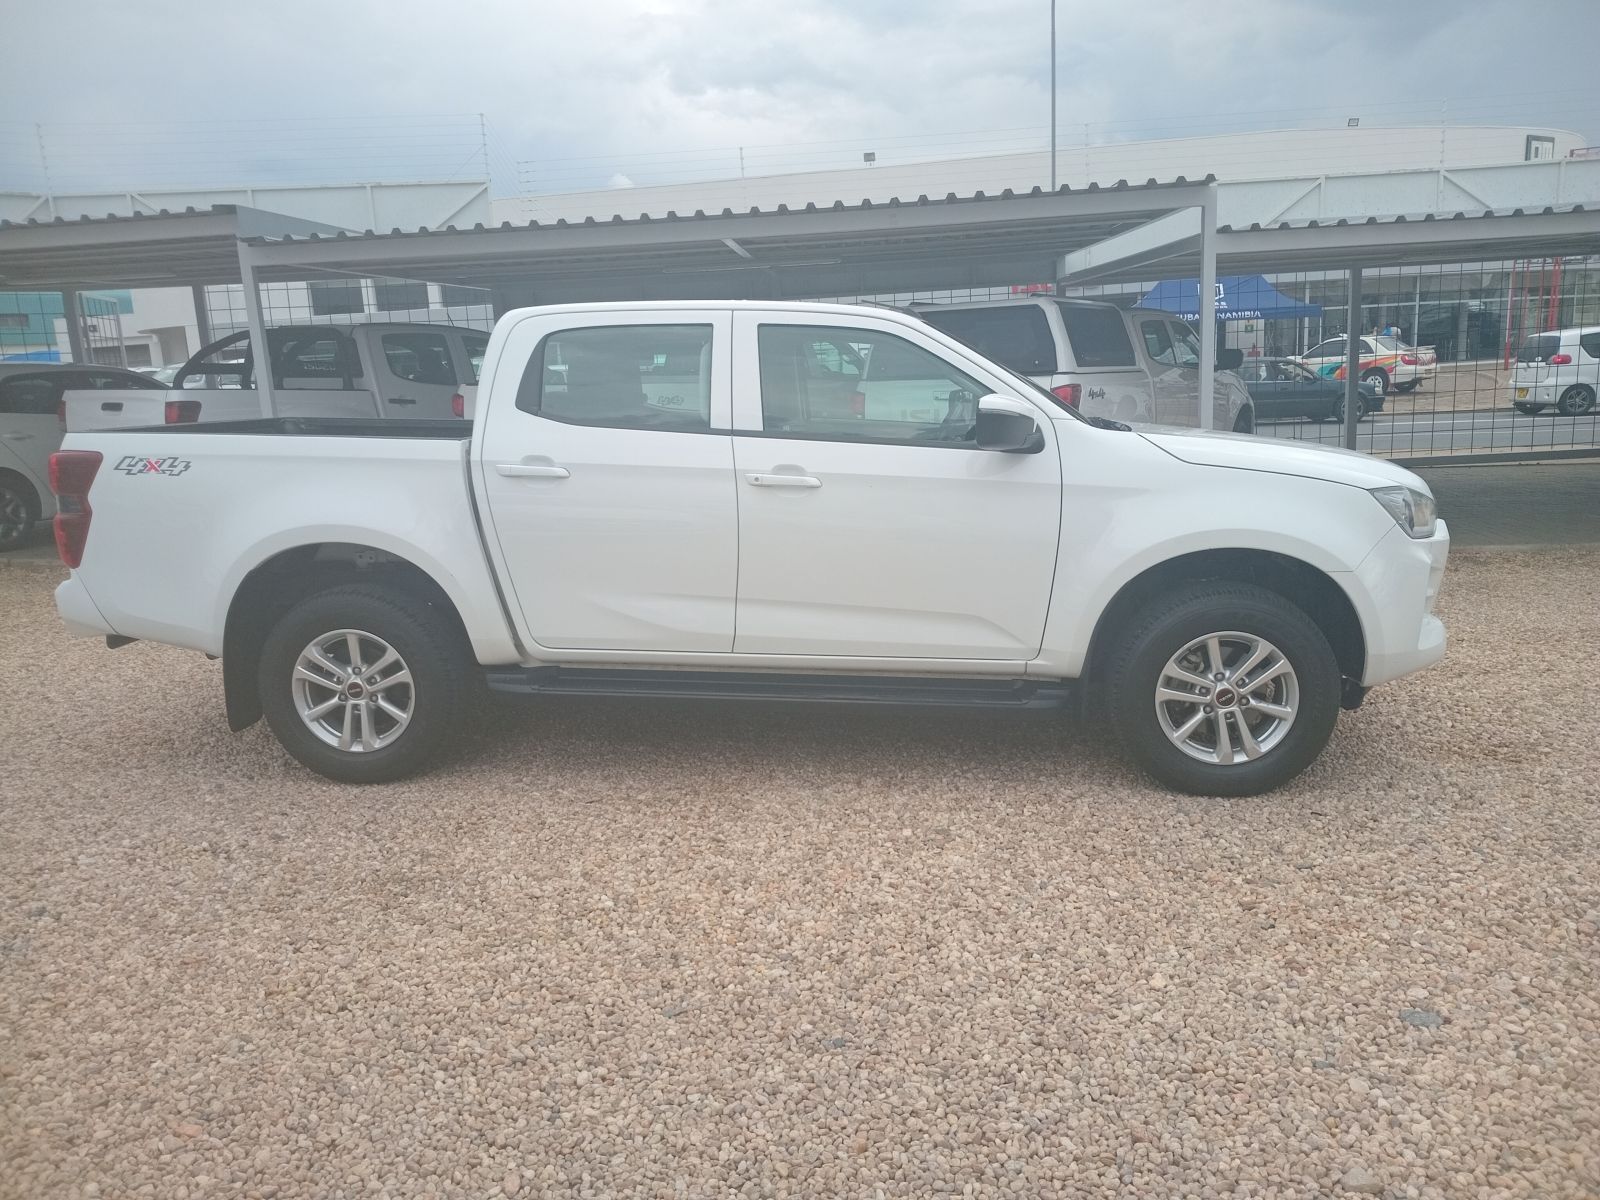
(1560, 369)
(1140, 365)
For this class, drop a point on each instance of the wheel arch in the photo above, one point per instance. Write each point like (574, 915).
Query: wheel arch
(1308, 587)
(273, 586)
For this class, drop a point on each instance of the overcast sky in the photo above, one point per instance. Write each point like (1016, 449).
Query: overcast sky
(588, 90)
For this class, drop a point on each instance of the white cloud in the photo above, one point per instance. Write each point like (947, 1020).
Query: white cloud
(663, 90)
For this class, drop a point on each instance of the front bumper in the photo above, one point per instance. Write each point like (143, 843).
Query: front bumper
(78, 612)
(1401, 580)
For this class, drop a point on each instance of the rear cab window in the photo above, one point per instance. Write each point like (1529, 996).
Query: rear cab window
(1098, 335)
(1017, 336)
(419, 357)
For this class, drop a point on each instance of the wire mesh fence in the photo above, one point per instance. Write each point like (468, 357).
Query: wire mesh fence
(1479, 358)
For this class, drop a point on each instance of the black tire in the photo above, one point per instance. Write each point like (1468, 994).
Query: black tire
(1165, 626)
(1411, 386)
(19, 512)
(1361, 409)
(1576, 400)
(1530, 409)
(427, 641)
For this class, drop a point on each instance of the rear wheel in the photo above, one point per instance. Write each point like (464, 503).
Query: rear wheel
(1576, 400)
(19, 512)
(1223, 689)
(1409, 386)
(1361, 409)
(362, 684)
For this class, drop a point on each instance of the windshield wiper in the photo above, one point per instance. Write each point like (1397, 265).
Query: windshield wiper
(1107, 423)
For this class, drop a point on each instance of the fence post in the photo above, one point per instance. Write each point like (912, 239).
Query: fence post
(1208, 308)
(72, 308)
(1352, 362)
(260, 353)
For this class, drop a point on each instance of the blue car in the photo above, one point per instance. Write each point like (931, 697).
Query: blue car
(1284, 389)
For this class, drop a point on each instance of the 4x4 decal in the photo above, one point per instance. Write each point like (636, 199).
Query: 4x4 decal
(138, 464)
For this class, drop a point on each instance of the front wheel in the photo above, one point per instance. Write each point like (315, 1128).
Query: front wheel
(1223, 689)
(362, 684)
(1378, 377)
(1529, 409)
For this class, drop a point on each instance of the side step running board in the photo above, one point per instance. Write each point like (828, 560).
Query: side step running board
(955, 692)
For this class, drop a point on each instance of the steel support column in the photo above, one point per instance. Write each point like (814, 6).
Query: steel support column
(260, 354)
(1208, 308)
(1352, 362)
(72, 308)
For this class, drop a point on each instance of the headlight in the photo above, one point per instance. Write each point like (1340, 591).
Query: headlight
(1412, 510)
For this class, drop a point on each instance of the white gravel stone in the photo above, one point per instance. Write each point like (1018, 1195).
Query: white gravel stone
(640, 950)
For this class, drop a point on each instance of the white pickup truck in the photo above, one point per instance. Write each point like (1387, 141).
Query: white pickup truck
(406, 371)
(763, 535)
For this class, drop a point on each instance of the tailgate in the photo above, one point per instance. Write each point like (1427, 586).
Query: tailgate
(113, 408)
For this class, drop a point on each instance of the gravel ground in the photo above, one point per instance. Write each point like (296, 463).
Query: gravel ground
(634, 950)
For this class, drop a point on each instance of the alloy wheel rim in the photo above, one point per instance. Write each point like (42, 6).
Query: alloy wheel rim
(353, 691)
(1227, 698)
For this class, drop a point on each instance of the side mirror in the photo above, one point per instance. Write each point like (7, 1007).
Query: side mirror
(1230, 359)
(1007, 425)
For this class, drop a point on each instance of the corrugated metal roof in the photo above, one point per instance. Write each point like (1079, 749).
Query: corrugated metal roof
(1122, 186)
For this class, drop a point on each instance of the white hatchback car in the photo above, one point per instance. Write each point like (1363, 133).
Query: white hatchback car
(1560, 369)
(31, 429)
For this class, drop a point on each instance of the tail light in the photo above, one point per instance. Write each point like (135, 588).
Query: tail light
(1409, 360)
(458, 405)
(1560, 360)
(71, 474)
(858, 404)
(183, 412)
(1070, 394)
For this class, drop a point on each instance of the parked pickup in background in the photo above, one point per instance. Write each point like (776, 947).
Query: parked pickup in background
(1131, 366)
(758, 531)
(379, 370)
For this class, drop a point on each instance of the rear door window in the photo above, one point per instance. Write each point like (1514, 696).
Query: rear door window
(622, 377)
(1157, 343)
(1016, 336)
(1099, 336)
(1591, 344)
(1185, 345)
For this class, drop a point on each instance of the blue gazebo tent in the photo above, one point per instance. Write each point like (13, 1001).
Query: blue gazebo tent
(1239, 298)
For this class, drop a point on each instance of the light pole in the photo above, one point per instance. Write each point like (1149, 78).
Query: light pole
(1052, 95)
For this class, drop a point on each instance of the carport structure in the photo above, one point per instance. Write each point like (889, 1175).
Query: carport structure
(1078, 236)
(783, 253)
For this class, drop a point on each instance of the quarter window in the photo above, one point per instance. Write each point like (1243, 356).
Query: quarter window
(419, 357)
(623, 377)
(859, 385)
(1591, 344)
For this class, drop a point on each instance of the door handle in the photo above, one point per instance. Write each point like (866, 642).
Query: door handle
(401, 400)
(796, 481)
(531, 471)
(111, 406)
